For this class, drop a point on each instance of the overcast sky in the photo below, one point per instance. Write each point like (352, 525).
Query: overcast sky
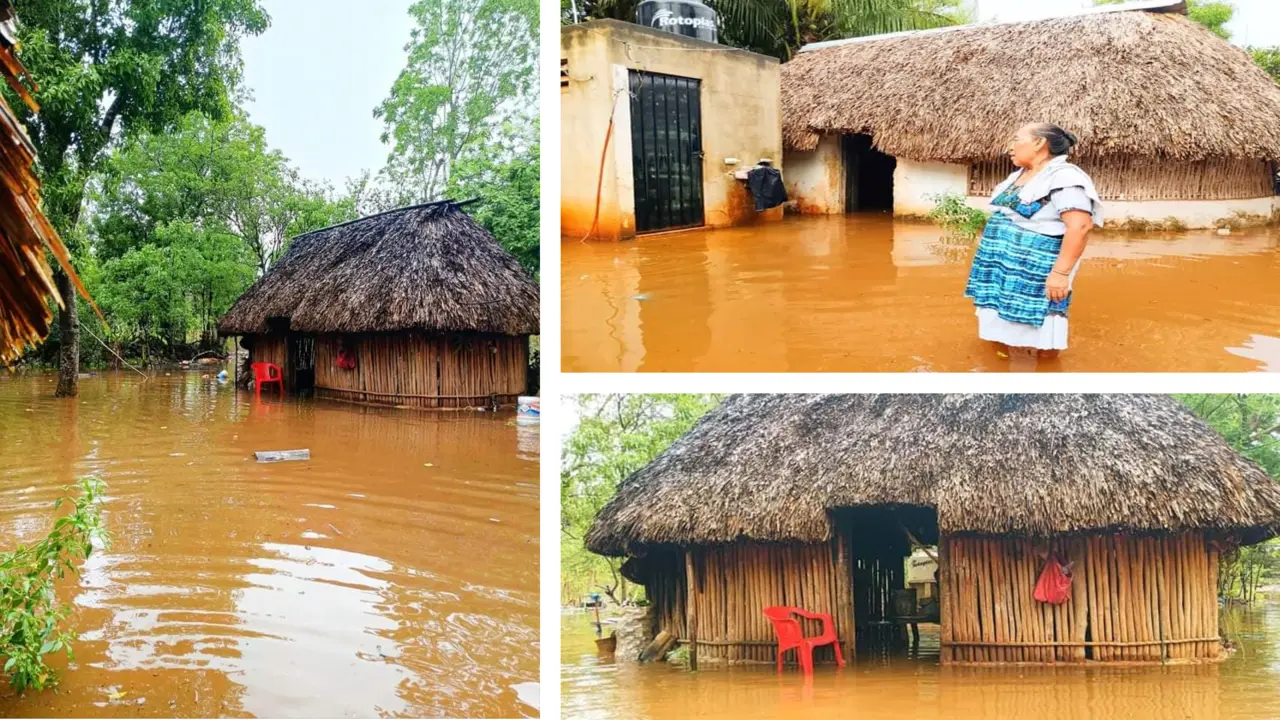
(317, 74)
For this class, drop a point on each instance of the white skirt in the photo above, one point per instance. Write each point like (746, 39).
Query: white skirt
(1052, 335)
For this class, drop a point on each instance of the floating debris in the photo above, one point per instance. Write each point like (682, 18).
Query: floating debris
(271, 456)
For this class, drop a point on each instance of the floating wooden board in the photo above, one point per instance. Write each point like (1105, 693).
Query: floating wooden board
(271, 456)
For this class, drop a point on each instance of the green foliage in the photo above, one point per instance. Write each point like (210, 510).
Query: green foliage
(1209, 13)
(1250, 423)
(508, 194)
(182, 223)
(615, 436)
(953, 213)
(471, 76)
(1268, 59)
(780, 27)
(108, 67)
(32, 620)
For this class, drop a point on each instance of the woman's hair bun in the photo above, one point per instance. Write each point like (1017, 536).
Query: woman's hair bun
(1060, 141)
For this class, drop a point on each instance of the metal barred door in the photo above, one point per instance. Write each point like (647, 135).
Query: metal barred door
(666, 151)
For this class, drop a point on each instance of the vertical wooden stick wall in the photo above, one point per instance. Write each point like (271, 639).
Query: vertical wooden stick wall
(726, 588)
(1134, 598)
(424, 370)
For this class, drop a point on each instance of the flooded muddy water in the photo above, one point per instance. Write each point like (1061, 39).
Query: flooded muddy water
(1247, 685)
(393, 574)
(862, 293)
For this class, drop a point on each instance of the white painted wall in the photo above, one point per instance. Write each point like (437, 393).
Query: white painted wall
(815, 179)
(916, 183)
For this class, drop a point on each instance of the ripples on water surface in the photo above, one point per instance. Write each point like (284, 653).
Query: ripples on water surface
(865, 293)
(395, 573)
(1246, 686)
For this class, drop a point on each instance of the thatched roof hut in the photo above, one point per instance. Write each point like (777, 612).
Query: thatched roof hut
(773, 468)
(428, 275)
(1144, 84)
(1164, 109)
(26, 280)
(429, 267)
(845, 477)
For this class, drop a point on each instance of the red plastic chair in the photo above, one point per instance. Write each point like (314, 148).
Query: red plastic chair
(265, 373)
(791, 635)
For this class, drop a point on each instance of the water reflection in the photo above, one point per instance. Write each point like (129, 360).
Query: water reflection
(865, 293)
(1247, 685)
(344, 586)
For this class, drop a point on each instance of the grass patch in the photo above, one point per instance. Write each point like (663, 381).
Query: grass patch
(953, 213)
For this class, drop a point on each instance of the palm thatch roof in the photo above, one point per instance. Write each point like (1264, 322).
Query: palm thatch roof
(774, 467)
(428, 267)
(1146, 84)
(26, 279)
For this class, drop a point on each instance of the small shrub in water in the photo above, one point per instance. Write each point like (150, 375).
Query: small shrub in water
(953, 213)
(1173, 224)
(31, 618)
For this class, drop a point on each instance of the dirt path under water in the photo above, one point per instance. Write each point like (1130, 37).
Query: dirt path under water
(1245, 686)
(862, 293)
(395, 573)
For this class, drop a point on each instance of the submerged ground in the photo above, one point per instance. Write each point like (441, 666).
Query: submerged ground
(866, 293)
(1247, 685)
(395, 573)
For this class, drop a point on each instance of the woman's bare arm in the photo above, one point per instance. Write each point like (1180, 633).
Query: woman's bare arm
(1058, 285)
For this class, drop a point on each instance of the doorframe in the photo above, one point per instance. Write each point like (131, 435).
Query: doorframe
(697, 170)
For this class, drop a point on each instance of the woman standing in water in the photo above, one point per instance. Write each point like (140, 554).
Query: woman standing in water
(1030, 250)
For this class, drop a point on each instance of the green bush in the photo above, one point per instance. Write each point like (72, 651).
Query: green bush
(32, 620)
(951, 212)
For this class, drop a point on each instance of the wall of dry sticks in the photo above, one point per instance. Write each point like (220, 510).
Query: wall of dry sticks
(420, 370)
(722, 618)
(1136, 179)
(1134, 598)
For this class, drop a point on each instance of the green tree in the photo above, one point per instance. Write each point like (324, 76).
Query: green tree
(471, 72)
(1209, 13)
(1268, 59)
(780, 27)
(508, 193)
(110, 68)
(32, 620)
(182, 221)
(1251, 424)
(615, 436)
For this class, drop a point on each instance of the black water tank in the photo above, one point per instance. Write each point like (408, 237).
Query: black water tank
(682, 17)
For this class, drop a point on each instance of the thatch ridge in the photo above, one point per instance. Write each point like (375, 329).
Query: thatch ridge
(1146, 84)
(427, 267)
(773, 468)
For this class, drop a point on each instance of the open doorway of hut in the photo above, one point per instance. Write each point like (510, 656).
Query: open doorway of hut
(302, 363)
(868, 183)
(892, 551)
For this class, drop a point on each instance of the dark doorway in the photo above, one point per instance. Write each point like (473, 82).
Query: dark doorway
(302, 362)
(868, 185)
(666, 151)
(887, 611)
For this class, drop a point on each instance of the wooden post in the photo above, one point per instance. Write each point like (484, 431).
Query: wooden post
(944, 598)
(844, 596)
(692, 609)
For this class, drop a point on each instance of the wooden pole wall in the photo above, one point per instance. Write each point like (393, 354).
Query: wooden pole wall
(424, 370)
(726, 588)
(1133, 599)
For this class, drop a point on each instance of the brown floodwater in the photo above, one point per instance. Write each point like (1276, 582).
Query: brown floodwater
(393, 574)
(1246, 685)
(864, 293)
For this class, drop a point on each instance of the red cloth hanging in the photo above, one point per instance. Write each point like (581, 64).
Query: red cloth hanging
(345, 360)
(1054, 585)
